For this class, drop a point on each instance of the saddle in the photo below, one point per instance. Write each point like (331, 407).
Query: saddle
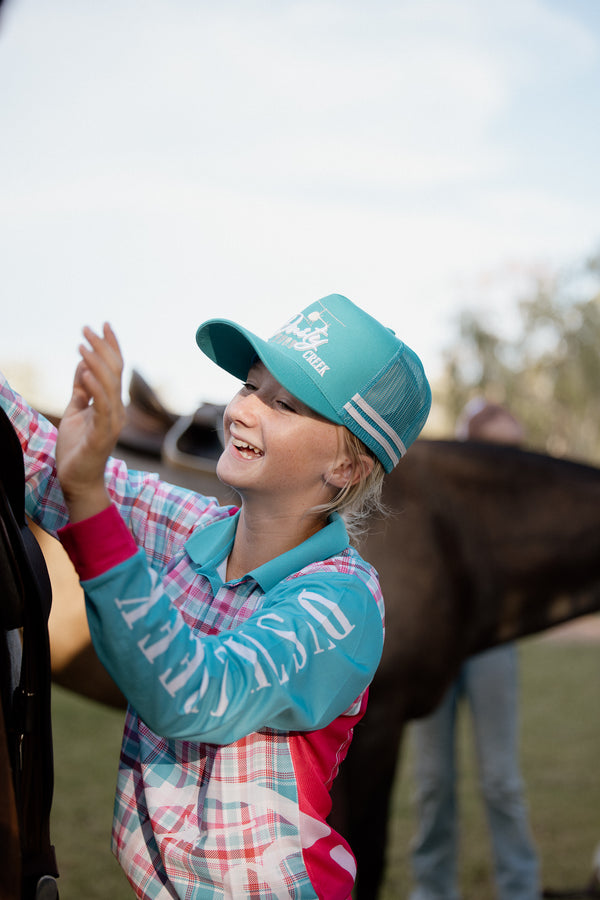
(186, 442)
(28, 863)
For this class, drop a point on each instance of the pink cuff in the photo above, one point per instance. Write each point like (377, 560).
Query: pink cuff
(97, 544)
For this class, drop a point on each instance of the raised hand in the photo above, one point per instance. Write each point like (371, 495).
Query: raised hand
(91, 424)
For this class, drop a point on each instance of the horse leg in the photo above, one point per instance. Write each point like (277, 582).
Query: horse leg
(364, 788)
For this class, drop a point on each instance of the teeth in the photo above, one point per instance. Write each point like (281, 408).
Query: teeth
(246, 450)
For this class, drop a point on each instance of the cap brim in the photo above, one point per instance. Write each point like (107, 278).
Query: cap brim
(235, 349)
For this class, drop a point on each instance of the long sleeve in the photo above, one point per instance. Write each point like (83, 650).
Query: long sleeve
(297, 663)
(44, 501)
(158, 514)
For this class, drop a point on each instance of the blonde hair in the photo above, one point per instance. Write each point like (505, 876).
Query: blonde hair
(356, 502)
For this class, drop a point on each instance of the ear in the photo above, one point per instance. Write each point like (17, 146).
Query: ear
(346, 474)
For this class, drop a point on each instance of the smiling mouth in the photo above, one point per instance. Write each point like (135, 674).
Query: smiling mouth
(247, 451)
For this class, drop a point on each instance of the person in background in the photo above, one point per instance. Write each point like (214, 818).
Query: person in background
(489, 683)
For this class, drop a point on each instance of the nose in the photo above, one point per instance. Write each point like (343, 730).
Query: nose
(243, 408)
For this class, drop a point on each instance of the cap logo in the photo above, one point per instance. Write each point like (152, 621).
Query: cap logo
(343, 364)
(305, 338)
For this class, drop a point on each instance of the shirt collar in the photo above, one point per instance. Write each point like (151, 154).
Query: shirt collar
(207, 547)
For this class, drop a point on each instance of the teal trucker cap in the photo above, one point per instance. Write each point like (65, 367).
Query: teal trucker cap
(340, 361)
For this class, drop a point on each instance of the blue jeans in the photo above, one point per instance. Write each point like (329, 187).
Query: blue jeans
(489, 682)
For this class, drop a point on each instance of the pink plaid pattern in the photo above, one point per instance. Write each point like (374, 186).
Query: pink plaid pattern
(226, 804)
(196, 820)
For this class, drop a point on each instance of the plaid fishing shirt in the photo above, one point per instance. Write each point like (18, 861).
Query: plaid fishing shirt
(242, 695)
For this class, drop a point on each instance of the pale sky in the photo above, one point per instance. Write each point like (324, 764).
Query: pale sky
(167, 161)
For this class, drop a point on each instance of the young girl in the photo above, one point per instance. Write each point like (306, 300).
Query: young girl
(244, 639)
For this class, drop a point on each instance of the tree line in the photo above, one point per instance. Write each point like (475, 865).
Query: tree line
(544, 365)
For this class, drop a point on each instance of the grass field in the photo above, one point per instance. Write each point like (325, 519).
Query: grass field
(560, 738)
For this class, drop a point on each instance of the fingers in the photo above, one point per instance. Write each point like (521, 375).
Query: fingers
(91, 423)
(81, 395)
(105, 351)
(111, 339)
(98, 375)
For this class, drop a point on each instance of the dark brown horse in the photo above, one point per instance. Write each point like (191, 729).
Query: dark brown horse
(482, 544)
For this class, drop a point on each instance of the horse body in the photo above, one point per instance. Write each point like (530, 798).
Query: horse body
(482, 544)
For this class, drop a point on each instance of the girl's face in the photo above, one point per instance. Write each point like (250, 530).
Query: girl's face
(279, 449)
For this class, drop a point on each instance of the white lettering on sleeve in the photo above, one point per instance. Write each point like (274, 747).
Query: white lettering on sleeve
(223, 699)
(300, 657)
(139, 605)
(190, 704)
(315, 637)
(308, 599)
(188, 667)
(269, 659)
(250, 656)
(160, 646)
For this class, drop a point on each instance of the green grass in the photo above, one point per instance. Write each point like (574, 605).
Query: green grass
(87, 739)
(560, 748)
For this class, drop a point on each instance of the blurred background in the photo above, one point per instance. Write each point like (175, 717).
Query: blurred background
(165, 162)
(168, 161)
